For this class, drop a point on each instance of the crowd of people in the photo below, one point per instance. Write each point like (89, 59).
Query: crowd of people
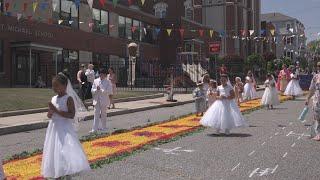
(86, 77)
(217, 103)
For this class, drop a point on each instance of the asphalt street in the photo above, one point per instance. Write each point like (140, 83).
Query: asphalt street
(276, 146)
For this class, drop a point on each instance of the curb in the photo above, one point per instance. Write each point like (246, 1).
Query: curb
(41, 110)
(44, 123)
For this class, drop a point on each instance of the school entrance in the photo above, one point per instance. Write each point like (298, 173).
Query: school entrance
(33, 63)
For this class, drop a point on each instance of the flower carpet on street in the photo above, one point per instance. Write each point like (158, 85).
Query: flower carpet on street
(102, 148)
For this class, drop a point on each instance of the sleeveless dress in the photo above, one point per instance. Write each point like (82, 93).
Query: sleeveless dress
(293, 88)
(270, 95)
(62, 153)
(224, 114)
(249, 89)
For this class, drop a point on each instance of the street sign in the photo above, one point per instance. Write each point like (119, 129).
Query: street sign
(214, 47)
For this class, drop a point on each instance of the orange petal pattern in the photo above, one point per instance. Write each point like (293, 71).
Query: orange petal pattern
(102, 148)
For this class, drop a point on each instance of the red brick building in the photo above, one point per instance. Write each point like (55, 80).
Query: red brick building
(54, 35)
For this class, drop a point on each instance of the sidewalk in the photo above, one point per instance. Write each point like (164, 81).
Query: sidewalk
(21, 123)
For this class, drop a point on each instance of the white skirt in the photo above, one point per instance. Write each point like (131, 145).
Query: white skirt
(270, 97)
(62, 154)
(293, 89)
(223, 114)
(249, 91)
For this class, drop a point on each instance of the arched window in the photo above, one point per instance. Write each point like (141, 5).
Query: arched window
(160, 9)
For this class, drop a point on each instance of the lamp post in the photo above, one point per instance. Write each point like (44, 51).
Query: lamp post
(133, 51)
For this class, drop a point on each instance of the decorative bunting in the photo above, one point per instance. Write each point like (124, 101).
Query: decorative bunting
(77, 2)
(243, 32)
(29, 18)
(43, 6)
(145, 31)
(60, 21)
(34, 6)
(7, 6)
(50, 21)
(70, 22)
(111, 26)
(211, 33)
(272, 31)
(115, 2)
(130, 2)
(15, 6)
(25, 6)
(169, 32)
(181, 33)
(291, 30)
(102, 2)
(19, 15)
(133, 28)
(90, 2)
(251, 32)
(142, 2)
(201, 32)
(157, 31)
(55, 4)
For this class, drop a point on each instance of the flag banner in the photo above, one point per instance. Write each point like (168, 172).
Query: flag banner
(142, 2)
(201, 32)
(115, 2)
(90, 3)
(7, 6)
(60, 21)
(169, 32)
(34, 6)
(19, 15)
(77, 2)
(157, 31)
(181, 33)
(251, 32)
(211, 33)
(272, 31)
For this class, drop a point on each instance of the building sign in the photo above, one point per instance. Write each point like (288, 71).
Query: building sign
(25, 31)
(214, 47)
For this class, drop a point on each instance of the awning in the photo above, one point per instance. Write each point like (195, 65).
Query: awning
(35, 46)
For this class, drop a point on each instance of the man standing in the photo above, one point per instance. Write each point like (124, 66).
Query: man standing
(101, 90)
(90, 77)
(82, 79)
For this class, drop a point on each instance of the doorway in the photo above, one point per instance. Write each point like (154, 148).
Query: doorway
(23, 74)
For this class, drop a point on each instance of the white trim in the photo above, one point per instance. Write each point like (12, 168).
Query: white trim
(35, 46)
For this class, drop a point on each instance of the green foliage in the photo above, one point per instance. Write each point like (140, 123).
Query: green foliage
(254, 60)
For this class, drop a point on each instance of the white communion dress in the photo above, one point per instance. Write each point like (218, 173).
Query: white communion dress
(62, 154)
(270, 95)
(224, 114)
(293, 88)
(249, 91)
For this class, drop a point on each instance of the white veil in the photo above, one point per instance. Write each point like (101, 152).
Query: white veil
(80, 110)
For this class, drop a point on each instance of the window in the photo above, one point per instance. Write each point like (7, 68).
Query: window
(122, 27)
(188, 9)
(188, 46)
(1, 56)
(100, 61)
(289, 40)
(67, 11)
(101, 21)
(160, 9)
(288, 54)
(71, 62)
(136, 32)
(128, 28)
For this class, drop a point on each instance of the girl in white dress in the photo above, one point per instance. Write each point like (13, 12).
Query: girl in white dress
(293, 89)
(224, 114)
(270, 96)
(238, 89)
(250, 87)
(62, 154)
(212, 92)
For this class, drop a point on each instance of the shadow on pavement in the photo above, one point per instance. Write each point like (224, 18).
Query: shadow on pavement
(231, 135)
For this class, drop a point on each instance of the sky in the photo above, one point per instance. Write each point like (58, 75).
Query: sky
(306, 11)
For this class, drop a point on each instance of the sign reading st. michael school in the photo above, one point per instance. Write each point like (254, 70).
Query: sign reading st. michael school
(25, 31)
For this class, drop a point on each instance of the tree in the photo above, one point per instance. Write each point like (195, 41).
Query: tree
(253, 61)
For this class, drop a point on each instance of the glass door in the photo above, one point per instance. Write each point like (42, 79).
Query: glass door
(23, 69)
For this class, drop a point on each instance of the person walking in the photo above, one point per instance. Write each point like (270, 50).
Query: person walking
(113, 78)
(101, 90)
(314, 91)
(90, 77)
(82, 80)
